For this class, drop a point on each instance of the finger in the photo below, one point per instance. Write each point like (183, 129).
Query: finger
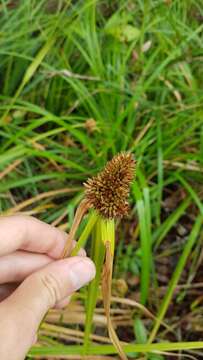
(30, 234)
(26, 307)
(63, 303)
(8, 289)
(17, 266)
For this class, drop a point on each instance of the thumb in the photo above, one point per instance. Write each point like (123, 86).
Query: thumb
(23, 311)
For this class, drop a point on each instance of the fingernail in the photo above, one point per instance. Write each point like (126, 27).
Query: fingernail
(82, 272)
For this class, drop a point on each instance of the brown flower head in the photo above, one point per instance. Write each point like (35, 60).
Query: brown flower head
(108, 191)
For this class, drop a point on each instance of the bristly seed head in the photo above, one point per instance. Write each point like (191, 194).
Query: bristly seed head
(108, 191)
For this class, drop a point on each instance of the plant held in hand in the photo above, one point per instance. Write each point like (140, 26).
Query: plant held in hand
(107, 193)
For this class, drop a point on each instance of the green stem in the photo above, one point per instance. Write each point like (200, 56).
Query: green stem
(97, 255)
(108, 233)
(86, 232)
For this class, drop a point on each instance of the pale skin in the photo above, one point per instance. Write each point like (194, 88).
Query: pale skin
(33, 279)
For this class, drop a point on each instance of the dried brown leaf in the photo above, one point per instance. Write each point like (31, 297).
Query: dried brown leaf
(106, 292)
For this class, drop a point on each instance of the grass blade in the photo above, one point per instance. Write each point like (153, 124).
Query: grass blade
(83, 237)
(165, 227)
(176, 276)
(109, 349)
(30, 72)
(145, 237)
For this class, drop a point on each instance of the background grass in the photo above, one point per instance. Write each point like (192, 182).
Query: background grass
(81, 81)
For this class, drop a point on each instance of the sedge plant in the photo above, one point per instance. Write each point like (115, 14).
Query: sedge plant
(106, 196)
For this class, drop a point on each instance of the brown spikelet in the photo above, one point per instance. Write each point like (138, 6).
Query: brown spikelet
(108, 191)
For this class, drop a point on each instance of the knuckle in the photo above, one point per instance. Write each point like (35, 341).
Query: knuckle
(52, 287)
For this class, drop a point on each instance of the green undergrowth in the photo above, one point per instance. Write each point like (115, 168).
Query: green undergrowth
(83, 80)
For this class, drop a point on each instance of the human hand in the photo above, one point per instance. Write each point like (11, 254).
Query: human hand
(32, 280)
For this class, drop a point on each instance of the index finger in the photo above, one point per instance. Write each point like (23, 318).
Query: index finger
(30, 234)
